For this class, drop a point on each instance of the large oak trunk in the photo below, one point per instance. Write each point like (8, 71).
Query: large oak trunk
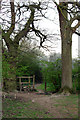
(67, 60)
(10, 83)
(13, 50)
(66, 37)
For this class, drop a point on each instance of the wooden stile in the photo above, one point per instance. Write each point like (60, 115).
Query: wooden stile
(29, 77)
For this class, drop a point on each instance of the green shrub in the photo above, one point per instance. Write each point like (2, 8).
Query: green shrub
(8, 74)
(75, 75)
(51, 87)
(51, 72)
(22, 71)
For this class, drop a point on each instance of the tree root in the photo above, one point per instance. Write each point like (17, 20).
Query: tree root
(66, 93)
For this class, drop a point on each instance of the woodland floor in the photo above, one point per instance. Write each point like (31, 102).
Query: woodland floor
(36, 105)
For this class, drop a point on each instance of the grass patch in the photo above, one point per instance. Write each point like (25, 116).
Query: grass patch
(50, 87)
(40, 87)
(67, 104)
(17, 109)
(68, 100)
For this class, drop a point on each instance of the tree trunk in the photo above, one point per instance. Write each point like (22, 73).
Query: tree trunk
(13, 50)
(0, 59)
(67, 60)
(10, 83)
(66, 37)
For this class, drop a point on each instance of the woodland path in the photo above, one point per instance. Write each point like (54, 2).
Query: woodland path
(58, 105)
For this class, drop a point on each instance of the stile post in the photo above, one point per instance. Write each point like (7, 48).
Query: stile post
(29, 82)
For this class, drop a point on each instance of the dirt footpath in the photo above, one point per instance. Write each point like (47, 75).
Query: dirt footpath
(53, 103)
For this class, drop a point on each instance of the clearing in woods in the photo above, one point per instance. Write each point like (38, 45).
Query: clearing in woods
(35, 105)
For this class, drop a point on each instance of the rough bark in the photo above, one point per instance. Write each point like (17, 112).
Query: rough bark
(66, 36)
(67, 60)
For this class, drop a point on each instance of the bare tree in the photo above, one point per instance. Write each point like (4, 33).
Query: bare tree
(17, 21)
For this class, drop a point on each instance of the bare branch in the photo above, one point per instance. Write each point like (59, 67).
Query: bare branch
(77, 33)
(74, 28)
(26, 29)
(75, 18)
(39, 34)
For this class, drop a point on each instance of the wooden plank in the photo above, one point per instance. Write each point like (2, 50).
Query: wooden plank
(24, 82)
(26, 77)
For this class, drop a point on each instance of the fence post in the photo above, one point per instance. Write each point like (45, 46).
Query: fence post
(45, 86)
(20, 83)
(33, 81)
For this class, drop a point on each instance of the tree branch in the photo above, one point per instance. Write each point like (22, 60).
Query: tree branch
(77, 33)
(75, 18)
(26, 29)
(74, 28)
(11, 29)
(6, 39)
(39, 34)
